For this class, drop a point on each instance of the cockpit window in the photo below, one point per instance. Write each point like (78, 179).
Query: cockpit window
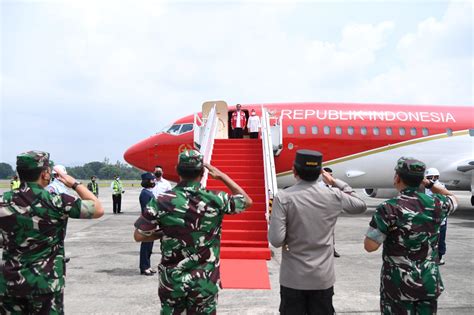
(186, 128)
(178, 129)
(173, 130)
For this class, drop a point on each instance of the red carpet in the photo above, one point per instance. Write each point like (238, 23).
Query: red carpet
(244, 244)
(244, 274)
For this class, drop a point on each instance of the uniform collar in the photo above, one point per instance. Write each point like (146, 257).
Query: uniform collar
(35, 187)
(409, 190)
(189, 185)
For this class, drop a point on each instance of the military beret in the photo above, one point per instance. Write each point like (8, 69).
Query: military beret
(308, 159)
(148, 176)
(190, 159)
(410, 166)
(33, 160)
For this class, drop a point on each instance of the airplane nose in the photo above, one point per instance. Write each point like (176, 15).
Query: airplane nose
(137, 155)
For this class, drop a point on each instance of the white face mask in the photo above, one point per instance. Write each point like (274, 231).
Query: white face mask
(253, 113)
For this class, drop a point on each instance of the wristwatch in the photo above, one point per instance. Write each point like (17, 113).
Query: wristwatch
(430, 185)
(74, 186)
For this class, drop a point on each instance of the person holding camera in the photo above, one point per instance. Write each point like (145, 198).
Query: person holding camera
(408, 227)
(302, 222)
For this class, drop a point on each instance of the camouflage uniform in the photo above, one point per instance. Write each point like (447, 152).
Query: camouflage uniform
(408, 226)
(190, 218)
(33, 223)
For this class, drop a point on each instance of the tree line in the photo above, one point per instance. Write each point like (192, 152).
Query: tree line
(103, 170)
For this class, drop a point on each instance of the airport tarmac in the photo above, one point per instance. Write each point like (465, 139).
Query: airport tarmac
(103, 275)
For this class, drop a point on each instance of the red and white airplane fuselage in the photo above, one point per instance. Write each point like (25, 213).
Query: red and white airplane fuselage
(360, 142)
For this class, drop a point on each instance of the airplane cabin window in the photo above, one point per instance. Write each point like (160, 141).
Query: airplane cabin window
(449, 132)
(363, 131)
(388, 131)
(291, 129)
(174, 130)
(338, 130)
(303, 130)
(424, 131)
(413, 131)
(471, 132)
(186, 128)
(402, 131)
(350, 130)
(327, 130)
(376, 131)
(314, 130)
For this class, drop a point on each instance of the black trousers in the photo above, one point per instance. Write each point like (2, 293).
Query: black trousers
(253, 135)
(238, 133)
(145, 253)
(117, 203)
(306, 302)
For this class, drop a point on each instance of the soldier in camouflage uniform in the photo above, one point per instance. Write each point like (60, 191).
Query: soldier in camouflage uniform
(408, 227)
(190, 218)
(33, 224)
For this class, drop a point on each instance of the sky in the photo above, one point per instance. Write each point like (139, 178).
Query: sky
(85, 80)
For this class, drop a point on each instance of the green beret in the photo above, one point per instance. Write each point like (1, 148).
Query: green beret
(410, 166)
(191, 160)
(33, 160)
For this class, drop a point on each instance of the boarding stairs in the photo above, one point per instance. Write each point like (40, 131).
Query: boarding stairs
(244, 236)
(250, 163)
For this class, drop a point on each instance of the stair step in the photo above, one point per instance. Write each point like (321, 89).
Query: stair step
(239, 168)
(259, 182)
(243, 243)
(241, 175)
(249, 157)
(245, 253)
(234, 141)
(246, 215)
(260, 190)
(228, 165)
(244, 235)
(240, 150)
(245, 225)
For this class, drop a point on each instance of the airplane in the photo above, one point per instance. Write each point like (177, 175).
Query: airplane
(359, 142)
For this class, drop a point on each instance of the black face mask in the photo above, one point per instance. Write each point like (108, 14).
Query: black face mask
(158, 174)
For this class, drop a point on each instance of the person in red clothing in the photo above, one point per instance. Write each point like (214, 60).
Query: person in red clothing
(238, 122)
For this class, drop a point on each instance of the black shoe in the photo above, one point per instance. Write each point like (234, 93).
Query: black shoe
(67, 259)
(147, 272)
(336, 254)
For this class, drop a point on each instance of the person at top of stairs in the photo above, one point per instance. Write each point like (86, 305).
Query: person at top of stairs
(238, 122)
(190, 218)
(302, 221)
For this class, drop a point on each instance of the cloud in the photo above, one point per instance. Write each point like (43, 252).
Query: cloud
(436, 63)
(125, 70)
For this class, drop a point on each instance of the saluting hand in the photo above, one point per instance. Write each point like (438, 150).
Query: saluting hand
(214, 172)
(64, 178)
(327, 178)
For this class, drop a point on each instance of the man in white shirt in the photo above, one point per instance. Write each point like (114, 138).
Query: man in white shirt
(161, 184)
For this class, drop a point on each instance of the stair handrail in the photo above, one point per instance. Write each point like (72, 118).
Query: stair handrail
(198, 123)
(208, 132)
(271, 187)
